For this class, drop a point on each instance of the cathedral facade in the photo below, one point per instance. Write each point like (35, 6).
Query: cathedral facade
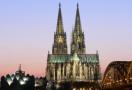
(76, 66)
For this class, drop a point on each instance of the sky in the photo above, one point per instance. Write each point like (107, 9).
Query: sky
(27, 28)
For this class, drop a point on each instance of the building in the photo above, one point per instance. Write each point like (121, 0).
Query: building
(40, 83)
(18, 81)
(76, 69)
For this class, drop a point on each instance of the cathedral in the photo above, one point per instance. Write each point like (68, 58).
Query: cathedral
(75, 70)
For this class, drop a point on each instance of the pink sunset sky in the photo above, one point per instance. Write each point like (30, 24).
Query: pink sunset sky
(27, 28)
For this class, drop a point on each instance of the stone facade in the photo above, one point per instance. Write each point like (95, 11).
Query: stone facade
(76, 66)
(73, 67)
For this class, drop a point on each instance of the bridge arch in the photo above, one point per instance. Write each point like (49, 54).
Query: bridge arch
(115, 74)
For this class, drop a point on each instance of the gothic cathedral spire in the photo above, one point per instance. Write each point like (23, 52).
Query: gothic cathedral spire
(78, 27)
(60, 43)
(59, 28)
(78, 43)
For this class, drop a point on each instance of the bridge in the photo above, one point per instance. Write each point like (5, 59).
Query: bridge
(118, 76)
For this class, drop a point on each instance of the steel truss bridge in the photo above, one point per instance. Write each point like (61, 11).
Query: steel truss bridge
(118, 76)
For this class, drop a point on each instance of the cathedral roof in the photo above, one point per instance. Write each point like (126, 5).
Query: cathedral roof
(89, 58)
(63, 58)
(58, 58)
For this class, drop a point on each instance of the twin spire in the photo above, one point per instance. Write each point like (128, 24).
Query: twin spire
(78, 43)
(77, 20)
(59, 27)
(60, 42)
